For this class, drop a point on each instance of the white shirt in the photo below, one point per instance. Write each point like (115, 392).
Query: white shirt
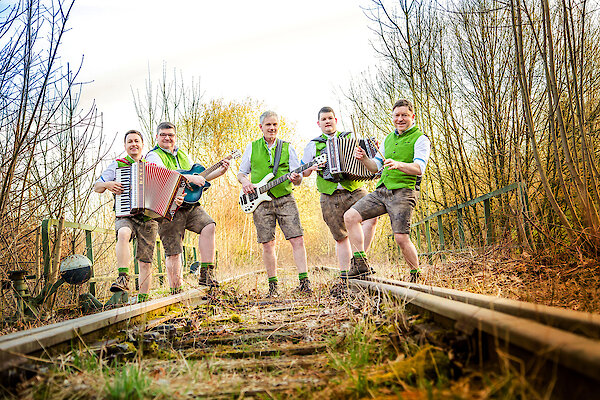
(109, 174)
(245, 164)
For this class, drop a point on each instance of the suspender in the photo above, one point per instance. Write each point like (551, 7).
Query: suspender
(277, 157)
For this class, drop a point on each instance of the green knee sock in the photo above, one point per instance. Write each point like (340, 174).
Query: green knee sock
(176, 290)
(360, 254)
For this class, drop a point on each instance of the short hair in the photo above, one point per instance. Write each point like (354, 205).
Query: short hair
(132, 132)
(165, 125)
(404, 103)
(267, 114)
(325, 110)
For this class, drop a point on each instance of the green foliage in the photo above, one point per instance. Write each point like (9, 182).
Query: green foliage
(129, 382)
(86, 361)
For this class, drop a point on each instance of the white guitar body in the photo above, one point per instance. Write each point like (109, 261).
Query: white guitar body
(249, 201)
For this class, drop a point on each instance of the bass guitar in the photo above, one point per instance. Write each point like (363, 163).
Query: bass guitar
(249, 201)
(193, 192)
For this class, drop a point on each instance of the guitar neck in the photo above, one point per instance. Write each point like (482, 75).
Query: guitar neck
(282, 178)
(207, 171)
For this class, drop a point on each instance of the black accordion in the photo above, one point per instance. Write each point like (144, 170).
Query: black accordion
(341, 163)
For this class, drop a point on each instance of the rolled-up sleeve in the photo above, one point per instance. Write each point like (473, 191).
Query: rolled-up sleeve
(109, 174)
(245, 166)
(422, 151)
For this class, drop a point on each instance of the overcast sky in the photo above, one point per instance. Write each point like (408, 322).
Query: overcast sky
(291, 55)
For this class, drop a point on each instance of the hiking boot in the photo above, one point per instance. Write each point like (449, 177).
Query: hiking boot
(359, 268)
(121, 284)
(272, 290)
(415, 275)
(339, 290)
(303, 287)
(207, 277)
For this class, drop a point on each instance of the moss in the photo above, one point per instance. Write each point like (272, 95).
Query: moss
(428, 363)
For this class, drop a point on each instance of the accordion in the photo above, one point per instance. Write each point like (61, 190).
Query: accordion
(341, 163)
(148, 190)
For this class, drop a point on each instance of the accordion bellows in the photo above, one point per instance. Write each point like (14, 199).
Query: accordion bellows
(149, 190)
(341, 162)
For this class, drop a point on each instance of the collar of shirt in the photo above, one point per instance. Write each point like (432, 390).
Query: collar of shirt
(406, 131)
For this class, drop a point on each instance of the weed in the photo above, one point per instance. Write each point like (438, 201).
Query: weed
(129, 382)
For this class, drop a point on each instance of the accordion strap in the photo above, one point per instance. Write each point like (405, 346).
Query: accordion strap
(277, 159)
(124, 161)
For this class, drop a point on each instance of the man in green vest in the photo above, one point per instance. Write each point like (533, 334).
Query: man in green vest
(129, 227)
(190, 217)
(259, 159)
(336, 196)
(406, 151)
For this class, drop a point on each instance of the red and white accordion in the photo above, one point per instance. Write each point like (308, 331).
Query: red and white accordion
(148, 190)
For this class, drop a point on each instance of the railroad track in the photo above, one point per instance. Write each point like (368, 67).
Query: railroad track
(558, 337)
(286, 335)
(15, 347)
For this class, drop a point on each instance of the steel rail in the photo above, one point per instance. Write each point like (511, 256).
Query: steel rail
(585, 323)
(14, 346)
(575, 352)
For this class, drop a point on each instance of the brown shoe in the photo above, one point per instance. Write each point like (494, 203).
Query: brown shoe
(303, 287)
(121, 284)
(359, 268)
(340, 289)
(272, 290)
(207, 276)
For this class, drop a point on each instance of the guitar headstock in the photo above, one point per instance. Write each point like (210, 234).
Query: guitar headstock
(236, 153)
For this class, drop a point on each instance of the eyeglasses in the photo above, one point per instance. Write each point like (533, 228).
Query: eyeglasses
(166, 135)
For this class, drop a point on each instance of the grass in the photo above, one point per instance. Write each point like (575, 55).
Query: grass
(128, 382)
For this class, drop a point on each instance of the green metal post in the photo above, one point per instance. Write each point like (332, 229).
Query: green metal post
(195, 254)
(488, 221)
(418, 230)
(46, 249)
(461, 228)
(89, 250)
(441, 234)
(428, 237)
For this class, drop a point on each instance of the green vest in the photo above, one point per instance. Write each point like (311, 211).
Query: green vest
(168, 159)
(329, 187)
(400, 148)
(261, 163)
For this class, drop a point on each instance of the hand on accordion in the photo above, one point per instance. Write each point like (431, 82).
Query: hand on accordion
(360, 153)
(114, 187)
(179, 200)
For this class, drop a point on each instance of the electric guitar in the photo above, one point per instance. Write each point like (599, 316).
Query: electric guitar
(193, 192)
(249, 201)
